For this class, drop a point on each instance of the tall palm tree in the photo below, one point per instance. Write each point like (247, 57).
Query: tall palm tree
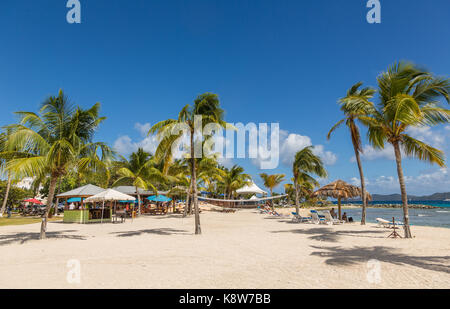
(409, 97)
(138, 171)
(271, 182)
(355, 105)
(305, 163)
(206, 108)
(56, 139)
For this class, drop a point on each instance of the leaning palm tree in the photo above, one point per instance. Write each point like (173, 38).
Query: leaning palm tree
(355, 105)
(56, 140)
(192, 118)
(138, 171)
(271, 182)
(305, 163)
(409, 97)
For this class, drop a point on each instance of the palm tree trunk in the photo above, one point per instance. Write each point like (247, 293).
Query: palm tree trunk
(297, 202)
(51, 194)
(271, 201)
(57, 199)
(363, 186)
(198, 229)
(339, 208)
(185, 211)
(139, 201)
(5, 200)
(401, 179)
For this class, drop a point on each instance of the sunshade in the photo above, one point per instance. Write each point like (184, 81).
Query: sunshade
(159, 198)
(34, 201)
(109, 195)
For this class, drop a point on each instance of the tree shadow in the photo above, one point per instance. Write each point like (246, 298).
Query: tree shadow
(162, 231)
(22, 238)
(338, 256)
(332, 235)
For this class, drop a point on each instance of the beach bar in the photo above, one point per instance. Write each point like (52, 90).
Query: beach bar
(82, 212)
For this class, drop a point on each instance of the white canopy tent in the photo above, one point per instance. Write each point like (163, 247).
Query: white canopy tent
(109, 195)
(251, 189)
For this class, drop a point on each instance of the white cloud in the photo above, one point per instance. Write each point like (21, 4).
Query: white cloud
(447, 128)
(290, 144)
(143, 128)
(124, 145)
(428, 182)
(425, 134)
(328, 157)
(369, 153)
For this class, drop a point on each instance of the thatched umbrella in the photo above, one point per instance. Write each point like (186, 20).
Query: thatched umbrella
(340, 190)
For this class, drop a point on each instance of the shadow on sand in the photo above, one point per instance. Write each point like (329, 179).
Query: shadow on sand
(161, 231)
(339, 256)
(22, 238)
(332, 235)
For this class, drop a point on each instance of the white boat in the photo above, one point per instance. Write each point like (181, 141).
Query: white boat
(447, 200)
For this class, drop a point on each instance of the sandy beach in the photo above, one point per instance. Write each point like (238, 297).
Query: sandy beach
(240, 250)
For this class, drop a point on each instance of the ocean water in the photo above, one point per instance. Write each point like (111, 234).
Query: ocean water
(437, 217)
(430, 203)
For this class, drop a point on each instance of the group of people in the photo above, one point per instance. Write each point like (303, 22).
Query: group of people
(344, 216)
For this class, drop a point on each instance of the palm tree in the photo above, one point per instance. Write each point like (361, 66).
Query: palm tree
(305, 163)
(271, 182)
(3, 160)
(232, 180)
(205, 110)
(138, 171)
(355, 105)
(56, 140)
(305, 186)
(409, 97)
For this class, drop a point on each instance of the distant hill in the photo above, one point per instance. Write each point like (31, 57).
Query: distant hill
(398, 197)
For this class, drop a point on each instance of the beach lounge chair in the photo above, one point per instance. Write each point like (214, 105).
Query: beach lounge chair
(316, 219)
(387, 224)
(382, 223)
(330, 220)
(300, 219)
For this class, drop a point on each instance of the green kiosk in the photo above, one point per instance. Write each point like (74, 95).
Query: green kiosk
(77, 211)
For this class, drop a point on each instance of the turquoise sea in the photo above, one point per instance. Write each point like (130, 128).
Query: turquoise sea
(438, 217)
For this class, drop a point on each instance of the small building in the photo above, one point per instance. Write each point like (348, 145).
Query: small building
(84, 212)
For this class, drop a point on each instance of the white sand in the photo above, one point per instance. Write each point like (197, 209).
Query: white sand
(241, 250)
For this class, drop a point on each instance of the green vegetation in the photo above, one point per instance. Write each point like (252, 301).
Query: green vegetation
(306, 163)
(272, 181)
(355, 105)
(19, 220)
(56, 140)
(56, 147)
(409, 97)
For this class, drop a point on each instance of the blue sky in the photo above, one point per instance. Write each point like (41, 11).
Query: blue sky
(269, 61)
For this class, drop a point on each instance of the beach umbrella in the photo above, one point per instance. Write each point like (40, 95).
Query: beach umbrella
(109, 195)
(33, 201)
(339, 190)
(159, 198)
